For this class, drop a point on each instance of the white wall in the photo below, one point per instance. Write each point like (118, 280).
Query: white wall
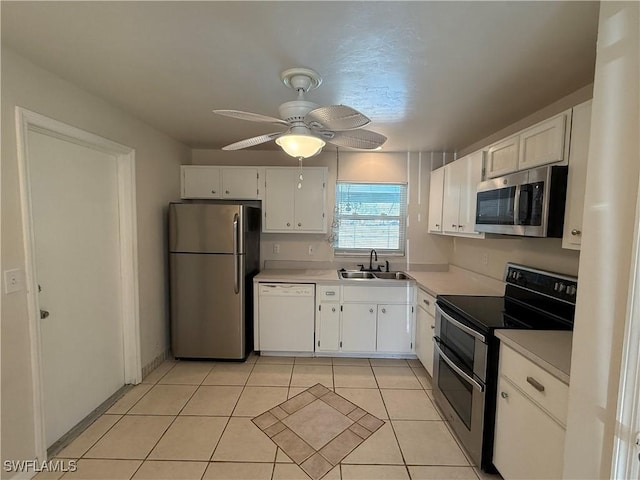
(157, 182)
(610, 210)
(352, 166)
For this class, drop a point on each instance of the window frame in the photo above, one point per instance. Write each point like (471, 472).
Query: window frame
(365, 251)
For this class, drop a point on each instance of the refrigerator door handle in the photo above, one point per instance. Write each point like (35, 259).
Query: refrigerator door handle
(236, 260)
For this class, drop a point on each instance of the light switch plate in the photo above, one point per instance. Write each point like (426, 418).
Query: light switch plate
(13, 280)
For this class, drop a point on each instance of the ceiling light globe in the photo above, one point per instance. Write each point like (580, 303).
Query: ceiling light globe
(300, 146)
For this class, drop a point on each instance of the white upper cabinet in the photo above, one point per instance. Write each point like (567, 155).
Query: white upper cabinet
(502, 157)
(578, 154)
(206, 181)
(436, 190)
(543, 143)
(459, 195)
(200, 182)
(288, 208)
(240, 182)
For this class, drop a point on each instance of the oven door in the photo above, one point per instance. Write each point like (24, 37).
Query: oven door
(459, 371)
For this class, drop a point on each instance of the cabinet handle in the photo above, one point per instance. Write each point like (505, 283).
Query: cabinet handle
(537, 385)
(504, 394)
(461, 227)
(433, 327)
(288, 224)
(213, 191)
(437, 225)
(575, 232)
(299, 224)
(453, 225)
(333, 309)
(384, 310)
(371, 310)
(426, 302)
(227, 192)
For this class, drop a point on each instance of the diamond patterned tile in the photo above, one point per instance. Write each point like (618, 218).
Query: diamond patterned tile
(317, 428)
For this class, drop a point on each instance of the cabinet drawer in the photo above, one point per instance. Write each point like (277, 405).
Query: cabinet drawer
(545, 389)
(427, 302)
(377, 294)
(328, 293)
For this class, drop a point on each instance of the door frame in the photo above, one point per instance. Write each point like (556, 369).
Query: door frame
(27, 121)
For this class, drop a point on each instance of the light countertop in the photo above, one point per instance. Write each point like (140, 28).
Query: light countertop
(456, 281)
(549, 349)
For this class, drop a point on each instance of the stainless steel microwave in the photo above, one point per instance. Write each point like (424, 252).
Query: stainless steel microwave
(529, 203)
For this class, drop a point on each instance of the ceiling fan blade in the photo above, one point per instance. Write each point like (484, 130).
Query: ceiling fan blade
(335, 117)
(253, 117)
(250, 142)
(361, 139)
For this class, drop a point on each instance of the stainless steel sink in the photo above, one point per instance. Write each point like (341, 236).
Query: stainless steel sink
(361, 275)
(392, 275)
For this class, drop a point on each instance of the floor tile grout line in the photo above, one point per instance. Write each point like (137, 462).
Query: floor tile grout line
(244, 386)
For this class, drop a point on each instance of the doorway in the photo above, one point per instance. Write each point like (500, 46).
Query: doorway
(78, 205)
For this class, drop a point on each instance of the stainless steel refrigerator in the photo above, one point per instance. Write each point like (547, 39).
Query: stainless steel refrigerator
(214, 252)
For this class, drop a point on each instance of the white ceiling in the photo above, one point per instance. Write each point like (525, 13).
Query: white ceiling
(430, 75)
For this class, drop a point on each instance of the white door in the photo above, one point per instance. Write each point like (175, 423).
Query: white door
(74, 200)
(359, 327)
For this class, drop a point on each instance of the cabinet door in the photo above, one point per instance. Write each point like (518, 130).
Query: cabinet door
(578, 153)
(436, 191)
(543, 143)
(278, 202)
(395, 329)
(328, 327)
(425, 326)
(309, 200)
(240, 183)
(200, 181)
(502, 157)
(359, 327)
(470, 178)
(453, 176)
(528, 443)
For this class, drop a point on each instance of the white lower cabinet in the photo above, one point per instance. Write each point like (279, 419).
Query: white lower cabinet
(359, 327)
(529, 435)
(425, 328)
(394, 329)
(351, 320)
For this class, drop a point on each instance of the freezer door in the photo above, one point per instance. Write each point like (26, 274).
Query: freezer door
(208, 306)
(206, 228)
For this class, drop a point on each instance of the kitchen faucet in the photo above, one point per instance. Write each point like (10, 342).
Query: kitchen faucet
(371, 254)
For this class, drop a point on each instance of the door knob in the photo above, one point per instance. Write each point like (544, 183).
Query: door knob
(44, 314)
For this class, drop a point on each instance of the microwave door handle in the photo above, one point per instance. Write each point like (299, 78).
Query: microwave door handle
(455, 368)
(459, 325)
(516, 206)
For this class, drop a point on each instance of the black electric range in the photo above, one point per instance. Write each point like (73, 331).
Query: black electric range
(466, 358)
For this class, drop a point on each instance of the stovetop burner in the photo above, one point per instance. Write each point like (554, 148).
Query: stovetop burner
(533, 300)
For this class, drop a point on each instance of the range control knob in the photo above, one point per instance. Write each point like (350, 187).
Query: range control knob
(571, 290)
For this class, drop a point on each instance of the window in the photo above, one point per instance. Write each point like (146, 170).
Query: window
(370, 215)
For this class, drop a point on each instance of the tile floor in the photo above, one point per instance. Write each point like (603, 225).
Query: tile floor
(193, 420)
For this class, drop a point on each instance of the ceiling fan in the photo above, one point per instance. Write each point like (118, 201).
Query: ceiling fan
(309, 125)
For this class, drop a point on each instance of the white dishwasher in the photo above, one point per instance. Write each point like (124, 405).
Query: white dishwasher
(286, 315)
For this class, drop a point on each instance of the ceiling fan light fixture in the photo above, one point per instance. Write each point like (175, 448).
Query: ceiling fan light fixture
(300, 146)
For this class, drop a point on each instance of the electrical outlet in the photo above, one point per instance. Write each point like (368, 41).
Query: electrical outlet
(485, 259)
(311, 249)
(13, 280)
(276, 248)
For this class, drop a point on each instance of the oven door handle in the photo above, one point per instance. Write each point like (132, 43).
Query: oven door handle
(455, 368)
(461, 326)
